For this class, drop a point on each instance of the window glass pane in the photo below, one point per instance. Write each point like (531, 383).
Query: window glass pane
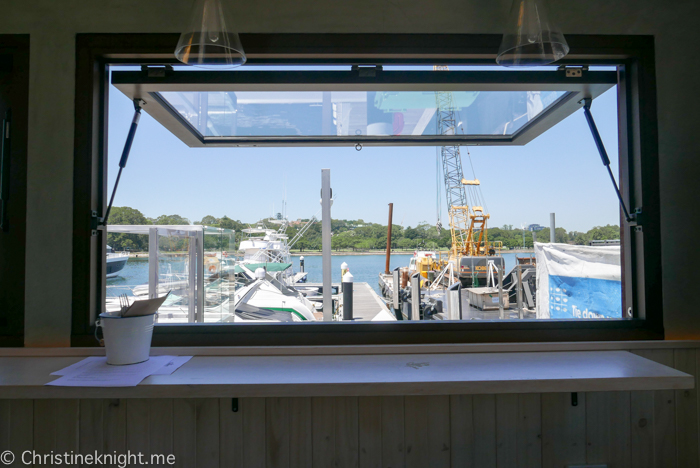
(356, 113)
(233, 254)
(186, 260)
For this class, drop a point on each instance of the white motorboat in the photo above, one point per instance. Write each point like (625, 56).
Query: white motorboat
(266, 247)
(266, 299)
(116, 261)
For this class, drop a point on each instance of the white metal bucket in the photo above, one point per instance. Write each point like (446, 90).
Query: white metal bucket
(127, 339)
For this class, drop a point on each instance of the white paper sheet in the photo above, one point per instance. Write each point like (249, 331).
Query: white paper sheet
(171, 366)
(73, 367)
(95, 372)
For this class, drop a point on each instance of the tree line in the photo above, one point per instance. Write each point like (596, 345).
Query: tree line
(347, 235)
(125, 215)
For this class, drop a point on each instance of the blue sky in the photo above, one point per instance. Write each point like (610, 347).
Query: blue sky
(560, 171)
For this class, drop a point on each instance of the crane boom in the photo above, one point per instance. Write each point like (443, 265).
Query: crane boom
(467, 224)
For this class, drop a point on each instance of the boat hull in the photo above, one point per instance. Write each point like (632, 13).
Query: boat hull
(115, 265)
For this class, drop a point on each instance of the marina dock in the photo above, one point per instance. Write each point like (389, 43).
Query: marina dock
(367, 304)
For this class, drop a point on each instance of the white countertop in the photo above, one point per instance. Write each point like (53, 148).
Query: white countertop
(363, 374)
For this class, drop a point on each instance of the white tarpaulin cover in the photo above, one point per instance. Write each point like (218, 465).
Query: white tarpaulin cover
(578, 282)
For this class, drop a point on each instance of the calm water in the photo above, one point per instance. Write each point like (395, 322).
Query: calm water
(365, 269)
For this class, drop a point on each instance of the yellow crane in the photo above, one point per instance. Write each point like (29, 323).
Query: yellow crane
(468, 223)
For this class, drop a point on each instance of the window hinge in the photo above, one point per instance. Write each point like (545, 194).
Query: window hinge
(367, 71)
(157, 71)
(573, 71)
(95, 223)
(637, 220)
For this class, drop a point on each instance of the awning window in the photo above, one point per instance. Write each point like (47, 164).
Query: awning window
(329, 108)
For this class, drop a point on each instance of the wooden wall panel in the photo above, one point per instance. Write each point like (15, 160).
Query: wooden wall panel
(300, 427)
(230, 434)
(484, 414)
(254, 433)
(416, 431)
(621, 429)
(427, 431)
(529, 431)
(370, 434)
(196, 432)
(56, 426)
(393, 438)
(608, 428)
(347, 432)
(563, 430)
(323, 430)
(506, 430)
(160, 425)
(687, 412)
(642, 429)
(185, 431)
(91, 426)
(462, 430)
(277, 432)
(662, 421)
(16, 427)
(137, 433)
(665, 439)
(207, 426)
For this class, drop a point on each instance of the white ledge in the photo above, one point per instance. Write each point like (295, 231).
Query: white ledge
(362, 375)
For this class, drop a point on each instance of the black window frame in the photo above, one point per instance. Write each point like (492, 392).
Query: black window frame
(14, 57)
(639, 181)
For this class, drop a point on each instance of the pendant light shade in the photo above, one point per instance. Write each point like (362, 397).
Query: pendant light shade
(530, 38)
(207, 42)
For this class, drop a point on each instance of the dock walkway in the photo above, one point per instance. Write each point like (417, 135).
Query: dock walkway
(366, 303)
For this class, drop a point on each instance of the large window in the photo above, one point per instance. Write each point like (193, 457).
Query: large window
(459, 137)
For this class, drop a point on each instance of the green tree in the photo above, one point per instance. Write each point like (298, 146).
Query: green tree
(124, 215)
(227, 223)
(209, 220)
(607, 232)
(173, 220)
(405, 243)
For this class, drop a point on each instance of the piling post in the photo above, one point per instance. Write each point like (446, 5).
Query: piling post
(388, 238)
(343, 269)
(454, 301)
(347, 296)
(153, 263)
(396, 293)
(301, 264)
(519, 292)
(552, 226)
(415, 296)
(326, 244)
(501, 311)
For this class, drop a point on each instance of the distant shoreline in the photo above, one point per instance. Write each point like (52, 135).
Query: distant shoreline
(316, 253)
(399, 252)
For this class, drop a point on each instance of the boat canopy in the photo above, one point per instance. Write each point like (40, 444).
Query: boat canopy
(270, 267)
(146, 228)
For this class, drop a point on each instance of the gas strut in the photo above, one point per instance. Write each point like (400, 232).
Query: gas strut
(125, 154)
(629, 217)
